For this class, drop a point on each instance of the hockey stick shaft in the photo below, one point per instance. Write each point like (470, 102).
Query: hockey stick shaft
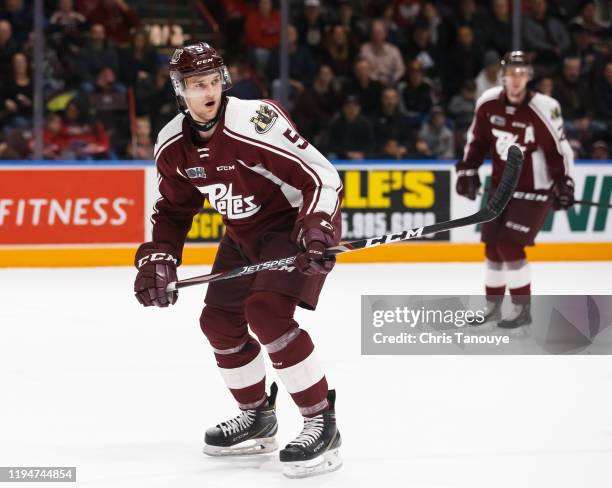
(494, 207)
(592, 204)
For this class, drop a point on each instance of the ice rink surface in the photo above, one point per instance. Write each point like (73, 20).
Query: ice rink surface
(89, 378)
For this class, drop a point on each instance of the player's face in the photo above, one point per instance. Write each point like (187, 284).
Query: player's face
(203, 95)
(515, 81)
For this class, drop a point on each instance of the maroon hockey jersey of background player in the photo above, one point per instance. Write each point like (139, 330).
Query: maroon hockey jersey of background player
(535, 125)
(256, 171)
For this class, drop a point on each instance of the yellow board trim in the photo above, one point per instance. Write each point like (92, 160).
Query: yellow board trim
(414, 252)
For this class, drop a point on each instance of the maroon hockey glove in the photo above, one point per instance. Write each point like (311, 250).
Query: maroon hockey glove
(468, 183)
(313, 235)
(156, 268)
(563, 193)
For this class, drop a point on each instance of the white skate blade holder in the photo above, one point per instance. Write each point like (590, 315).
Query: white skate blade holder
(325, 463)
(248, 447)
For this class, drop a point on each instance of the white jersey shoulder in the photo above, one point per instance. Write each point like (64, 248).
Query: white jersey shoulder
(547, 108)
(256, 119)
(171, 132)
(490, 94)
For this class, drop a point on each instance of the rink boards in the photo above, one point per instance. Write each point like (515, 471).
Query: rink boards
(82, 214)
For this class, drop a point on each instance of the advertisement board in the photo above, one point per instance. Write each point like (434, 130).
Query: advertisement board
(41, 206)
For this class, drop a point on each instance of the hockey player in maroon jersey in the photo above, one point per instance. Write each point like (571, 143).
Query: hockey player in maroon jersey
(278, 196)
(508, 115)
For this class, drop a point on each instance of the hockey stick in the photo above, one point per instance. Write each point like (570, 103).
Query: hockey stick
(494, 207)
(544, 197)
(592, 204)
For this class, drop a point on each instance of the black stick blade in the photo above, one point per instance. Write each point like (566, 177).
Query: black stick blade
(509, 180)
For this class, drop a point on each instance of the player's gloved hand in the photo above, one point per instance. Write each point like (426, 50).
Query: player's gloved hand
(156, 268)
(313, 235)
(563, 193)
(468, 183)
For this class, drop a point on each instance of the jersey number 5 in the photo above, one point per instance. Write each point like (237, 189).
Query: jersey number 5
(294, 137)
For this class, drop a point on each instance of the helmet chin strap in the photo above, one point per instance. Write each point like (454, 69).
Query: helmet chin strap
(205, 126)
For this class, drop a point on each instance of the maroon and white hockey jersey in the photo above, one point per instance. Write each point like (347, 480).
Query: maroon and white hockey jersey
(255, 170)
(536, 126)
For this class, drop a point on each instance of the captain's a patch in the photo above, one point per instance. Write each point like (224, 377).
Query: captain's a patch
(264, 119)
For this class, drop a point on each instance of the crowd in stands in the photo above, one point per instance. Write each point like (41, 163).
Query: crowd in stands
(386, 79)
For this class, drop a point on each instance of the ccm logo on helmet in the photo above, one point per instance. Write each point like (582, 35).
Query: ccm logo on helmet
(204, 61)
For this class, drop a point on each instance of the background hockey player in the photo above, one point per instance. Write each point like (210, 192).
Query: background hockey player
(279, 197)
(508, 115)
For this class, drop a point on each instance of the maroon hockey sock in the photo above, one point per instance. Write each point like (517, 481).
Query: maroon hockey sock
(495, 293)
(290, 348)
(522, 295)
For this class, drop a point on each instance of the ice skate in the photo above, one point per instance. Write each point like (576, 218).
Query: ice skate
(520, 315)
(251, 432)
(315, 450)
(491, 315)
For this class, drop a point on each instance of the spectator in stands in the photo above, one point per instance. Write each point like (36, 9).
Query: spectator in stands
(160, 105)
(340, 51)
(356, 26)
(301, 67)
(421, 49)
(544, 34)
(435, 140)
(575, 97)
(468, 16)
(53, 137)
(587, 19)
(362, 86)
(83, 138)
(600, 151)
(7, 152)
(603, 94)
(545, 86)
(385, 59)
(67, 26)
(391, 149)
(311, 27)
(406, 12)
(498, 27)
(141, 147)
(97, 53)
(262, 33)
(19, 14)
(117, 18)
(394, 34)
(137, 62)
(316, 105)
(389, 122)
(415, 95)
(110, 104)
(464, 61)
(440, 29)
(18, 95)
(489, 76)
(8, 47)
(461, 107)
(584, 46)
(243, 83)
(350, 134)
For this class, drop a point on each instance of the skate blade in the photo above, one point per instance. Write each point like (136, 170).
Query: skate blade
(326, 463)
(250, 446)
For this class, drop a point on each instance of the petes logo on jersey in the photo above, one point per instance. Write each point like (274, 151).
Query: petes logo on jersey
(503, 141)
(226, 203)
(264, 120)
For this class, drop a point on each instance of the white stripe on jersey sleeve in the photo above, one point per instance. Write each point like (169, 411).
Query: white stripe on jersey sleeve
(292, 194)
(542, 106)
